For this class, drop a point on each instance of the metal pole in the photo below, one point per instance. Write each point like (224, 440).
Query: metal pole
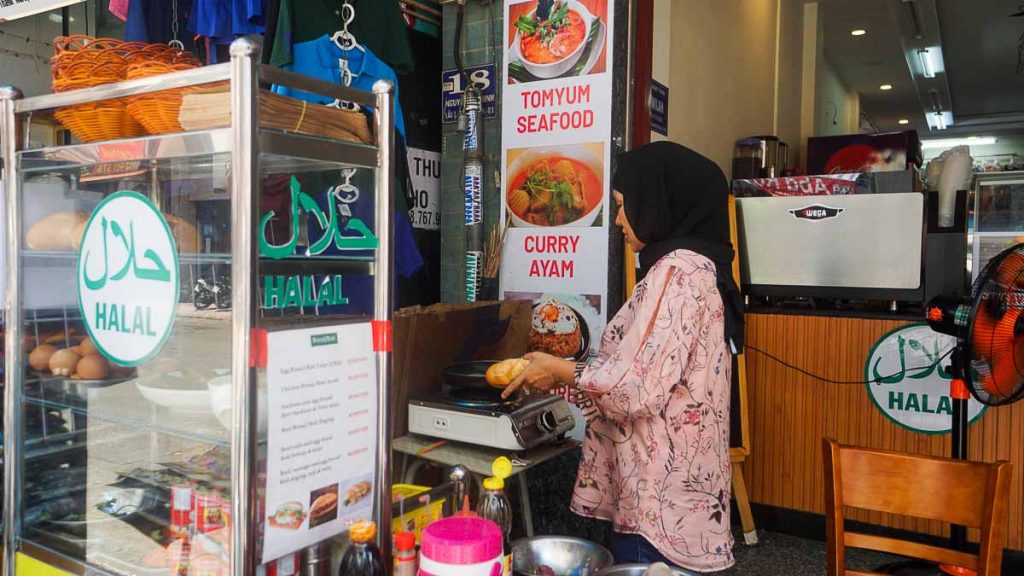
(473, 188)
(383, 304)
(13, 388)
(960, 394)
(627, 143)
(13, 343)
(245, 196)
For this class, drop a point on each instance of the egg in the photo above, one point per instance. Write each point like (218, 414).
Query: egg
(76, 350)
(93, 368)
(39, 358)
(88, 348)
(63, 362)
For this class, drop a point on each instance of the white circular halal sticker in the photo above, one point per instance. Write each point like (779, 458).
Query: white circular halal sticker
(907, 371)
(128, 278)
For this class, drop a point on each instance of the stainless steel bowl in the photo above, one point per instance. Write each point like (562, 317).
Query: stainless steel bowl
(636, 570)
(565, 556)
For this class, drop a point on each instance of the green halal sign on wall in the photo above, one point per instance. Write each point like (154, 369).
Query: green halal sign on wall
(128, 279)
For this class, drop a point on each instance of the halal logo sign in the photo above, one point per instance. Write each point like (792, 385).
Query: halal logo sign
(909, 379)
(816, 212)
(128, 278)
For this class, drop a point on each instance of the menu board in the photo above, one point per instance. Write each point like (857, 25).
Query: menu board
(556, 139)
(14, 9)
(322, 435)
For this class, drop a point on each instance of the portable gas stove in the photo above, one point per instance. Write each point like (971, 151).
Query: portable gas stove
(480, 417)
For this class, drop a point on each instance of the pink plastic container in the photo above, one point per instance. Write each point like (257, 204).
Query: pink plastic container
(461, 546)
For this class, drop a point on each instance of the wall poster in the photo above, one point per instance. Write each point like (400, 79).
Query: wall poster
(556, 156)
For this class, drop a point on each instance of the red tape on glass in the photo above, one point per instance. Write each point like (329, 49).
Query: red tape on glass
(381, 335)
(258, 348)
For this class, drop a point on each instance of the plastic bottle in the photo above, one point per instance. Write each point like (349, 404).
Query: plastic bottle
(405, 555)
(494, 505)
(362, 557)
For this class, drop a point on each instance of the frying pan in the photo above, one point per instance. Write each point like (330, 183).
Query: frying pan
(468, 375)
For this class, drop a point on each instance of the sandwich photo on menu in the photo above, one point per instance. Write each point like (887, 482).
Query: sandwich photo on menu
(289, 516)
(323, 506)
(356, 493)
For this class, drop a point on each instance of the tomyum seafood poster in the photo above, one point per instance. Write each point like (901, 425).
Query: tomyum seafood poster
(556, 138)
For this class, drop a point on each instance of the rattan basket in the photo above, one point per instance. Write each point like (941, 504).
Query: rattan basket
(83, 62)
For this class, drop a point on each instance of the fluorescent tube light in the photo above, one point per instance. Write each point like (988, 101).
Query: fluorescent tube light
(951, 142)
(927, 62)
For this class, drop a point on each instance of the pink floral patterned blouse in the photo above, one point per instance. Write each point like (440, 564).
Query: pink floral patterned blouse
(656, 453)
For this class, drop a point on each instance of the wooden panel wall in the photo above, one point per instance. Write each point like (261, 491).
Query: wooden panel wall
(790, 413)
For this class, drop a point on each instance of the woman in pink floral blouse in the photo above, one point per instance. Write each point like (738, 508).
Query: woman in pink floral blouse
(656, 453)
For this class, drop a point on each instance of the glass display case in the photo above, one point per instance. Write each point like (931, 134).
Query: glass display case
(172, 299)
(998, 216)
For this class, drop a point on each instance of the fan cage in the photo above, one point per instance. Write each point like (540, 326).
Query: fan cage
(992, 295)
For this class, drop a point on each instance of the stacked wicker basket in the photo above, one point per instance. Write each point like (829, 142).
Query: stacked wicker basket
(84, 62)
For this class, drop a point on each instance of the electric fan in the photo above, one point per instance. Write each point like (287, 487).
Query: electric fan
(988, 359)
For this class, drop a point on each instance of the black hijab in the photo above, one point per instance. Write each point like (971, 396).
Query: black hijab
(676, 199)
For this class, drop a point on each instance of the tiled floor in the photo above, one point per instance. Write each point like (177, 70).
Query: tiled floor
(779, 554)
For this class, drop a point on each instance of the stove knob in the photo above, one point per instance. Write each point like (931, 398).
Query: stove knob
(547, 421)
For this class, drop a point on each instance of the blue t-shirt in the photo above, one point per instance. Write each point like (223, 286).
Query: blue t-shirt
(150, 21)
(320, 59)
(224, 20)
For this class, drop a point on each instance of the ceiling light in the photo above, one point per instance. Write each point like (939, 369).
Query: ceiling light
(885, 87)
(951, 142)
(56, 18)
(927, 62)
(858, 32)
(904, 121)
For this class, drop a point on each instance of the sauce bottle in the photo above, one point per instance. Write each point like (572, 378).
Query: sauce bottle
(362, 557)
(494, 506)
(405, 555)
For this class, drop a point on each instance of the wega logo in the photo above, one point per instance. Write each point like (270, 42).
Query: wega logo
(816, 212)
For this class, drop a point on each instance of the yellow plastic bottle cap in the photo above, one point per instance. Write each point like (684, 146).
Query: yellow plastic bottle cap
(501, 468)
(494, 484)
(363, 531)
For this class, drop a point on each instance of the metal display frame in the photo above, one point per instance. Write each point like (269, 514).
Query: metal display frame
(978, 234)
(246, 141)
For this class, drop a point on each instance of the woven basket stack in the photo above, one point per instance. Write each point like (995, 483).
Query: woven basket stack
(83, 62)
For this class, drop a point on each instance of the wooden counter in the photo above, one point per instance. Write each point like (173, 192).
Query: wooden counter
(790, 413)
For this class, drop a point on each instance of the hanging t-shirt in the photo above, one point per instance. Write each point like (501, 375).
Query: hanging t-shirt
(150, 21)
(378, 25)
(224, 20)
(321, 58)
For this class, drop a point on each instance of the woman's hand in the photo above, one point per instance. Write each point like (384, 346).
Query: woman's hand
(543, 373)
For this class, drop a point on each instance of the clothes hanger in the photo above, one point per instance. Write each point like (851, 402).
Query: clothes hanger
(346, 41)
(175, 43)
(343, 38)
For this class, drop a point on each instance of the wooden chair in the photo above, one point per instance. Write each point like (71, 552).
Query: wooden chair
(971, 494)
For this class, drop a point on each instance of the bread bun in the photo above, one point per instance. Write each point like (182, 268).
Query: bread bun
(56, 231)
(63, 362)
(39, 358)
(88, 348)
(93, 368)
(77, 234)
(505, 372)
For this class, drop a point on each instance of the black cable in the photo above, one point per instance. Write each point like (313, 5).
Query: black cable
(830, 381)
(457, 45)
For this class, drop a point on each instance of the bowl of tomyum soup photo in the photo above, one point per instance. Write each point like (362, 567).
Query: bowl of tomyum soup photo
(550, 47)
(555, 186)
